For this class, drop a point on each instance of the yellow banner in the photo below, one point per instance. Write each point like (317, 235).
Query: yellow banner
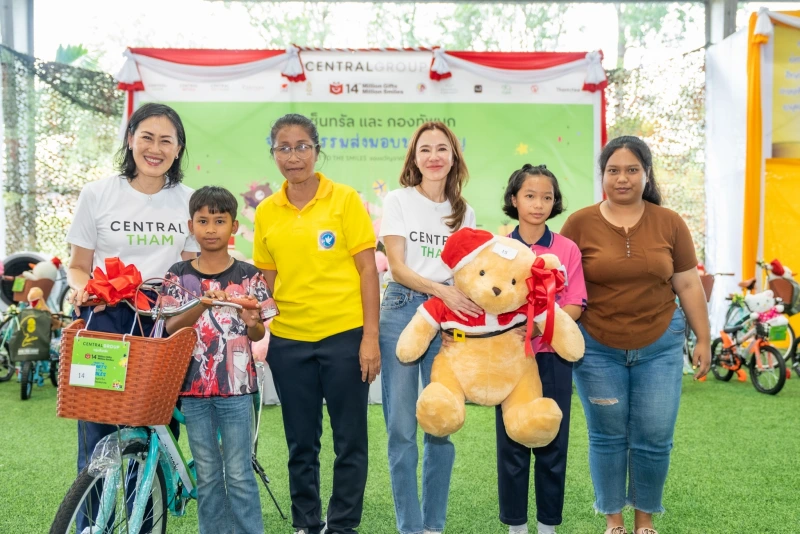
(786, 93)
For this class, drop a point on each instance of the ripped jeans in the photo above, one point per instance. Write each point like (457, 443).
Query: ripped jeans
(631, 399)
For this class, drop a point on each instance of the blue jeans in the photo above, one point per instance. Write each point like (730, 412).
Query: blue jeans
(400, 383)
(631, 400)
(227, 492)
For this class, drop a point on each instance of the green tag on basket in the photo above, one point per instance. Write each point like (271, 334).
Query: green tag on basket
(778, 333)
(19, 284)
(99, 363)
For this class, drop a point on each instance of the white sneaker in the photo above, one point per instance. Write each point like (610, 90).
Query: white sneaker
(518, 529)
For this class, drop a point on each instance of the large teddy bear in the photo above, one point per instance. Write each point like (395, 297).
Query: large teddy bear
(487, 362)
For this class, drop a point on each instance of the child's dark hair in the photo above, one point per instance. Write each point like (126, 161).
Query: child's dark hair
(215, 199)
(518, 178)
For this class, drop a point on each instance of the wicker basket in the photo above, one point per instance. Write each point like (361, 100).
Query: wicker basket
(708, 285)
(156, 369)
(45, 284)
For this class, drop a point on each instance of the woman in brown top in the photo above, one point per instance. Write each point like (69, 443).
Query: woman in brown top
(637, 256)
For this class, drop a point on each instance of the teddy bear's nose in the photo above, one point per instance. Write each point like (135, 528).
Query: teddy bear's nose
(496, 290)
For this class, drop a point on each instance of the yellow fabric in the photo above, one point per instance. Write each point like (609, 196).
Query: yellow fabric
(318, 288)
(753, 156)
(781, 219)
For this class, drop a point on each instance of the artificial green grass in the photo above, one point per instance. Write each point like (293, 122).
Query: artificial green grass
(734, 468)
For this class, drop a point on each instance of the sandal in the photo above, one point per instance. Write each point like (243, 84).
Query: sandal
(616, 530)
(645, 530)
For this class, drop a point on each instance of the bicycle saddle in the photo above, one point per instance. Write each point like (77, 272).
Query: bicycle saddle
(748, 284)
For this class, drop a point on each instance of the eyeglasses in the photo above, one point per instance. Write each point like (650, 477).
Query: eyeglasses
(302, 150)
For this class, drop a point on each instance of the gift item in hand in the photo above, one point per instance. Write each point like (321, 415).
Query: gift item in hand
(268, 307)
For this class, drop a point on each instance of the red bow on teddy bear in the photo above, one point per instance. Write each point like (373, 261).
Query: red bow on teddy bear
(542, 288)
(118, 282)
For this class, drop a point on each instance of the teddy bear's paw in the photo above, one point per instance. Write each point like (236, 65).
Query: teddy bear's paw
(534, 424)
(439, 411)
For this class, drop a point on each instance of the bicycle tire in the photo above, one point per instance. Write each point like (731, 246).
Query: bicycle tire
(26, 380)
(65, 519)
(54, 373)
(779, 364)
(719, 372)
(6, 365)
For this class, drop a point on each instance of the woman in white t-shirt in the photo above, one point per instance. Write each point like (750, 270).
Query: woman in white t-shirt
(417, 220)
(139, 216)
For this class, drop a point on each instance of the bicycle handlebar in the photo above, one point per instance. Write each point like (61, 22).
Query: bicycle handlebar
(170, 311)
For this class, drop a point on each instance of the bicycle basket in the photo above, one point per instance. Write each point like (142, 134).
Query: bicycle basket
(156, 369)
(708, 285)
(789, 293)
(32, 341)
(45, 285)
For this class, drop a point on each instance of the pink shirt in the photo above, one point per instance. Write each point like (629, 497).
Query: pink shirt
(575, 288)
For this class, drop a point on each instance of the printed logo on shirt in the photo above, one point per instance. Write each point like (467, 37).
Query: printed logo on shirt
(430, 244)
(148, 232)
(326, 239)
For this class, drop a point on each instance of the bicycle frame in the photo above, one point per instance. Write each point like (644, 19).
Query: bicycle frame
(162, 450)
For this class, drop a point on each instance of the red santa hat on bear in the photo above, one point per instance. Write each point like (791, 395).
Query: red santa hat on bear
(464, 245)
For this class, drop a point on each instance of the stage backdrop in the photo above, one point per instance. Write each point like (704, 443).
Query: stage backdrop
(506, 109)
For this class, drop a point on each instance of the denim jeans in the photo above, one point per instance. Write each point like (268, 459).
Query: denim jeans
(631, 400)
(227, 492)
(400, 383)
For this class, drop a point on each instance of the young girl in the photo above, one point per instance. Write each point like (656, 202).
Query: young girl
(533, 197)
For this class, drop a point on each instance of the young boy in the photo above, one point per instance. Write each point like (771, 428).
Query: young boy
(217, 392)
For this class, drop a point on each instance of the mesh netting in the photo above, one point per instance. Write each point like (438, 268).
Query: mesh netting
(664, 104)
(61, 126)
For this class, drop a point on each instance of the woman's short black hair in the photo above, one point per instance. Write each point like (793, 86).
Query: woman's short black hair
(295, 119)
(518, 178)
(642, 152)
(125, 163)
(216, 199)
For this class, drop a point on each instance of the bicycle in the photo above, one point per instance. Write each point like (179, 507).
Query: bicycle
(164, 479)
(765, 362)
(689, 337)
(738, 314)
(8, 326)
(35, 371)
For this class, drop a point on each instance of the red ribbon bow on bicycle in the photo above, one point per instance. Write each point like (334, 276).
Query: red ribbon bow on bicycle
(542, 288)
(118, 282)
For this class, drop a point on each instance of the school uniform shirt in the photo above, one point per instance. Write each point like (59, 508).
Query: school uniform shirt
(222, 360)
(318, 288)
(567, 252)
(629, 274)
(149, 231)
(409, 214)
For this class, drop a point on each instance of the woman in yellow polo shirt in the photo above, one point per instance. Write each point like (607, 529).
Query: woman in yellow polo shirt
(315, 244)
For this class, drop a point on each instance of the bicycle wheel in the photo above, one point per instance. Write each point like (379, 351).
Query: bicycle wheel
(26, 380)
(719, 358)
(795, 363)
(83, 499)
(768, 370)
(6, 365)
(54, 373)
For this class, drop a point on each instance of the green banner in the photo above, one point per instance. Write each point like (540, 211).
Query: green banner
(364, 145)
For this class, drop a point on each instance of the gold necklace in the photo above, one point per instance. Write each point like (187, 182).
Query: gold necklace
(149, 195)
(424, 194)
(230, 262)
